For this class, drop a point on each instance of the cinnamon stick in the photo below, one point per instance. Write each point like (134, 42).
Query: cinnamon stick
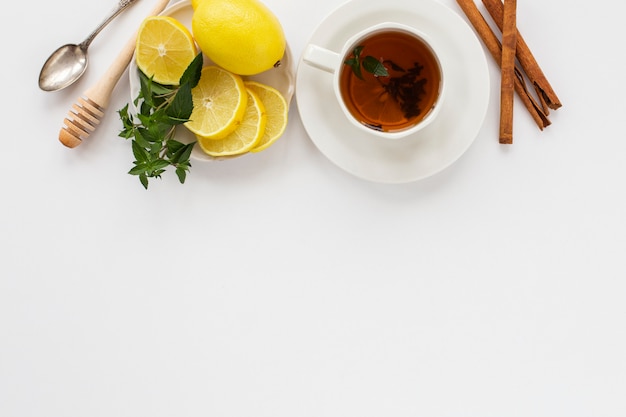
(526, 59)
(493, 45)
(507, 82)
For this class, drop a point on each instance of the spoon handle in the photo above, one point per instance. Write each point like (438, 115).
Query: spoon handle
(122, 5)
(87, 112)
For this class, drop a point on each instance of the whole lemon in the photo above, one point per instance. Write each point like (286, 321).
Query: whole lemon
(241, 36)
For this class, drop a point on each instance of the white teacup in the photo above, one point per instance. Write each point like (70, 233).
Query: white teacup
(382, 38)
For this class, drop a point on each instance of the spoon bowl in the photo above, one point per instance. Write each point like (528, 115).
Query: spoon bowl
(68, 63)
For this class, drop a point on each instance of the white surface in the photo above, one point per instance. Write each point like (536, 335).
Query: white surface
(426, 152)
(279, 285)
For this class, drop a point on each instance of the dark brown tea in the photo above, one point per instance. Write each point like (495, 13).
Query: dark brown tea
(403, 97)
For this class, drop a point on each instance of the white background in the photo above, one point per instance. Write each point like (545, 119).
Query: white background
(277, 285)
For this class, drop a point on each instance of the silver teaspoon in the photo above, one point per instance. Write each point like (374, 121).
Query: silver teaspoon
(68, 63)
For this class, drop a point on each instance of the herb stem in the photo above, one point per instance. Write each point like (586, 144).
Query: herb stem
(160, 109)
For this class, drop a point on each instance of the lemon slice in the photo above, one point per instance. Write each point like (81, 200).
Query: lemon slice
(247, 134)
(219, 103)
(164, 50)
(276, 110)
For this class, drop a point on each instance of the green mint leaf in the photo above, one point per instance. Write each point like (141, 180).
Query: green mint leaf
(158, 166)
(356, 68)
(159, 90)
(155, 149)
(144, 180)
(159, 122)
(182, 174)
(127, 123)
(156, 128)
(139, 138)
(126, 133)
(144, 118)
(138, 169)
(139, 152)
(181, 107)
(145, 108)
(369, 64)
(192, 74)
(173, 146)
(153, 94)
(351, 62)
(124, 116)
(150, 88)
(145, 135)
(374, 66)
(182, 154)
(357, 71)
(146, 92)
(354, 62)
(186, 153)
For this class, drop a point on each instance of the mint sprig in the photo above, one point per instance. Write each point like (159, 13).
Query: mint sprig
(369, 64)
(160, 109)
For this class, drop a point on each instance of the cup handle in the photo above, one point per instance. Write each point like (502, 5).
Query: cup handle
(321, 58)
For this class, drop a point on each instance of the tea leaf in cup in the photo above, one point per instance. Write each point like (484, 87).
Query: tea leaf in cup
(369, 63)
(374, 66)
(354, 63)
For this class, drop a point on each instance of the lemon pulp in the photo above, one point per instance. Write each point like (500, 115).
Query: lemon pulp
(219, 103)
(276, 110)
(164, 49)
(247, 134)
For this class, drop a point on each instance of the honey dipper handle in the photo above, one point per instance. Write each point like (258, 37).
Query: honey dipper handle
(100, 92)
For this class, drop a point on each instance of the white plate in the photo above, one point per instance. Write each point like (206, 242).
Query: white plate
(426, 152)
(281, 78)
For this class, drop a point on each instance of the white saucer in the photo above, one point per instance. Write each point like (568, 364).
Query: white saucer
(281, 78)
(427, 151)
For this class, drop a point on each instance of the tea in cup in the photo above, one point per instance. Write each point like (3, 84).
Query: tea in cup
(387, 79)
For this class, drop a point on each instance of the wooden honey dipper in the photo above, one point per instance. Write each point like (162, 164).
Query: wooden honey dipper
(88, 110)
